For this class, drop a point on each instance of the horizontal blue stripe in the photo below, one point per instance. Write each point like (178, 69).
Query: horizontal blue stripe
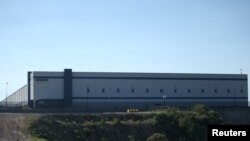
(146, 78)
(160, 98)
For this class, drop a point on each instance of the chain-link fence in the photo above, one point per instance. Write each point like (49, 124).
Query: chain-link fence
(13, 105)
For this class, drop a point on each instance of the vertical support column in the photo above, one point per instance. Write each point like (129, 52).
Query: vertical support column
(28, 87)
(67, 88)
(248, 103)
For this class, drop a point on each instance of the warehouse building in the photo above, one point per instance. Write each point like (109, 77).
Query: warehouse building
(117, 91)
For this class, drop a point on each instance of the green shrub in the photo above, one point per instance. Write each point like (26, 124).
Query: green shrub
(214, 117)
(104, 139)
(102, 122)
(87, 131)
(200, 109)
(167, 122)
(177, 125)
(157, 137)
(116, 121)
(131, 138)
(37, 139)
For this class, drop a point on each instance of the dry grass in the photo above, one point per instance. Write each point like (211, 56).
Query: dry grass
(13, 127)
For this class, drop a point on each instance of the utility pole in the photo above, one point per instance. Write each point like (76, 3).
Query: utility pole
(6, 102)
(88, 90)
(164, 98)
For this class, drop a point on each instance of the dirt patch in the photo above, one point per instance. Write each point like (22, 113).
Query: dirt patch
(13, 127)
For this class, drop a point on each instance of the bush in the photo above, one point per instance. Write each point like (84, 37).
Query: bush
(177, 125)
(157, 137)
(87, 132)
(166, 121)
(116, 121)
(37, 139)
(200, 109)
(214, 117)
(104, 139)
(131, 138)
(102, 122)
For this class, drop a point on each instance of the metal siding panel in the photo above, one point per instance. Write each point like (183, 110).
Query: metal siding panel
(51, 89)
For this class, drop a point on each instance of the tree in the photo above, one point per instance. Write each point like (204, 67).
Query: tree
(157, 137)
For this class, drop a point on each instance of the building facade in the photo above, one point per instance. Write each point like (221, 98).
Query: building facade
(119, 91)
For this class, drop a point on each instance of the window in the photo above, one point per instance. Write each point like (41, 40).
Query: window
(189, 90)
(88, 90)
(175, 90)
(132, 90)
(147, 90)
(202, 90)
(215, 90)
(118, 90)
(228, 91)
(103, 90)
(241, 91)
(161, 90)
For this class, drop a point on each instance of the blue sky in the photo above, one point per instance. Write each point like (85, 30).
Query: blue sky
(182, 36)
